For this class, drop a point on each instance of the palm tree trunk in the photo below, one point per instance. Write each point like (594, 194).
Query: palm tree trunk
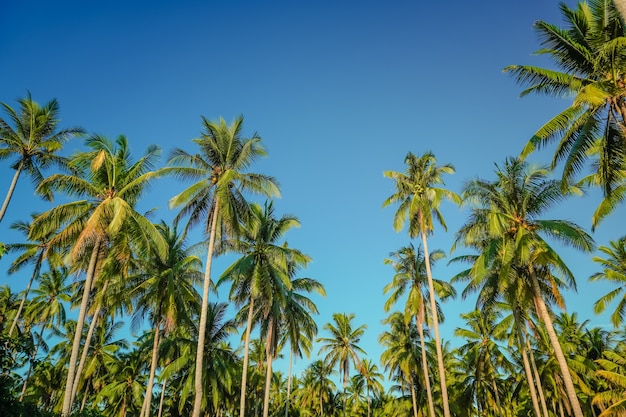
(162, 397)
(246, 354)
(145, 408)
(433, 307)
(67, 398)
(289, 383)
(558, 352)
(83, 356)
(269, 353)
(7, 199)
(30, 368)
(413, 398)
(533, 364)
(529, 377)
(197, 402)
(429, 394)
(33, 277)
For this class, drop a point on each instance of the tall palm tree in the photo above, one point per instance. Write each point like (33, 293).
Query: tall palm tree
(371, 377)
(35, 252)
(507, 216)
(107, 185)
(410, 278)
(47, 308)
(400, 357)
(590, 67)
(341, 347)
(419, 194)
(163, 289)
(34, 140)
(613, 270)
(299, 326)
(216, 198)
(317, 387)
(262, 270)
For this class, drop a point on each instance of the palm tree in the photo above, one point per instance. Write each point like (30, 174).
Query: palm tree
(506, 217)
(35, 252)
(108, 184)
(47, 307)
(371, 377)
(400, 357)
(341, 347)
(34, 140)
(300, 328)
(411, 277)
(217, 197)
(122, 395)
(419, 194)
(482, 335)
(591, 66)
(262, 269)
(164, 290)
(317, 387)
(614, 270)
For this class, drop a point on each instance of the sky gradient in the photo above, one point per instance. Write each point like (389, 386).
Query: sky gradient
(339, 91)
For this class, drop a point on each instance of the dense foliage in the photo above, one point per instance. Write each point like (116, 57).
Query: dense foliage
(519, 353)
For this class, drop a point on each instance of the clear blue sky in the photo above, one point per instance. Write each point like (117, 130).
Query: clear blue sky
(339, 91)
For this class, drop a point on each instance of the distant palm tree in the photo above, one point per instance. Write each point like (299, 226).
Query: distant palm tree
(216, 198)
(47, 308)
(419, 194)
(341, 347)
(411, 278)
(33, 139)
(613, 270)
(36, 252)
(164, 291)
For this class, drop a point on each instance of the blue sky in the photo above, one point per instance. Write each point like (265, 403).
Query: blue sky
(339, 91)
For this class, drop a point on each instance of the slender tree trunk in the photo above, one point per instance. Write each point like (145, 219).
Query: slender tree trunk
(246, 354)
(533, 364)
(197, 402)
(413, 398)
(420, 328)
(527, 371)
(433, 307)
(7, 199)
(496, 394)
(30, 368)
(368, 402)
(162, 397)
(33, 277)
(558, 352)
(85, 352)
(84, 401)
(269, 353)
(145, 409)
(67, 403)
(289, 382)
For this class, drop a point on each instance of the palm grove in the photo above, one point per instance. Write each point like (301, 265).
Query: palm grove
(519, 353)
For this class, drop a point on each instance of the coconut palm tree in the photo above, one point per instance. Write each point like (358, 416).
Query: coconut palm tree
(411, 278)
(341, 347)
(107, 184)
(47, 307)
(317, 388)
(36, 252)
(506, 215)
(163, 289)
(400, 357)
(613, 270)
(31, 135)
(216, 198)
(371, 377)
(591, 68)
(262, 270)
(419, 194)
